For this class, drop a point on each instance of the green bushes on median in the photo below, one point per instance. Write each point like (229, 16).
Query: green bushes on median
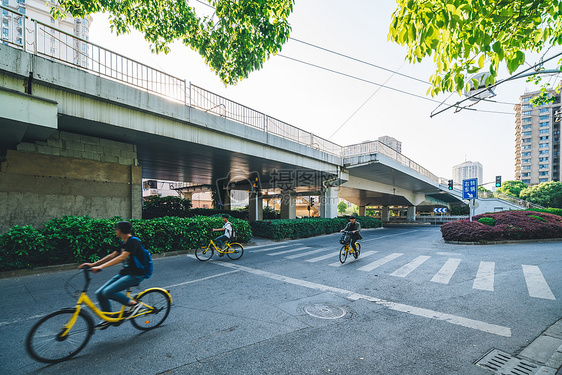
(301, 228)
(75, 239)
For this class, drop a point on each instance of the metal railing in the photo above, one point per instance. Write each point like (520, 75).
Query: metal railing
(377, 147)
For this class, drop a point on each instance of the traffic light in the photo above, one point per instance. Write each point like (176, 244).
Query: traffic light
(498, 181)
(450, 184)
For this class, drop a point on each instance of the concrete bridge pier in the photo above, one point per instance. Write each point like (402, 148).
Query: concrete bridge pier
(255, 208)
(385, 214)
(288, 206)
(329, 203)
(412, 213)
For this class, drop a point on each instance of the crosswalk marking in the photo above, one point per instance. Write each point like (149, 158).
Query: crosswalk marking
(269, 249)
(361, 255)
(289, 251)
(406, 269)
(536, 283)
(446, 272)
(323, 257)
(303, 254)
(380, 262)
(485, 276)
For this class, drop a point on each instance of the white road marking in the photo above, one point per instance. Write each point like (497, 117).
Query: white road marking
(426, 313)
(333, 254)
(268, 249)
(537, 285)
(447, 271)
(362, 255)
(289, 251)
(485, 277)
(407, 268)
(390, 235)
(448, 254)
(198, 280)
(380, 262)
(303, 254)
(7, 323)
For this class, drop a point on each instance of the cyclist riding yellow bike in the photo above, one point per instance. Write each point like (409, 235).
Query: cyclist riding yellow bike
(129, 276)
(354, 227)
(227, 229)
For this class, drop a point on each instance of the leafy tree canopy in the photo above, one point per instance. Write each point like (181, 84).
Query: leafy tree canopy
(469, 36)
(235, 41)
(547, 194)
(513, 188)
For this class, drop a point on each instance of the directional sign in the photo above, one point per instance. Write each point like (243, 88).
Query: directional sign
(470, 188)
(440, 210)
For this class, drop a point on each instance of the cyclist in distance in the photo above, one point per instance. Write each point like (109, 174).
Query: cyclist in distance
(129, 276)
(227, 229)
(354, 227)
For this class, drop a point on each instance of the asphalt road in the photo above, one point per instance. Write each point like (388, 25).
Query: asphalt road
(410, 304)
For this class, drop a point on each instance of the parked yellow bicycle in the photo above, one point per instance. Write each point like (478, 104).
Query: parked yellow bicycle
(347, 249)
(62, 334)
(233, 250)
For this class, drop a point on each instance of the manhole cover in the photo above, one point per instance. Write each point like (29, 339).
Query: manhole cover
(503, 363)
(325, 311)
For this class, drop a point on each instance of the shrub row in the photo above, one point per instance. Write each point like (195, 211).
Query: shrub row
(554, 211)
(301, 228)
(74, 239)
(505, 225)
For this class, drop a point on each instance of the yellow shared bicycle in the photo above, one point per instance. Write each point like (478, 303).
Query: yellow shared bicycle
(62, 334)
(233, 250)
(347, 249)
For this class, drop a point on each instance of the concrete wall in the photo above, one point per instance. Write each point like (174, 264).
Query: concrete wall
(69, 174)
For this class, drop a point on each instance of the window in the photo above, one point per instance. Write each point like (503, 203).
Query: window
(526, 140)
(52, 20)
(526, 100)
(543, 152)
(527, 106)
(543, 117)
(526, 160)
(527, 113)
(543, 159)
(543, 124)
(543, 138)
(528, 147)
(527, 119)
(527, 133)
(526, 174)
(543, 180)
(544, 131)
(526, 167)
(5, 33)
(526, 154)
(543, 166)
(526, 181)
(545, 173)
(543, 145)
(526, 127)
(544, 110)
(21, 10)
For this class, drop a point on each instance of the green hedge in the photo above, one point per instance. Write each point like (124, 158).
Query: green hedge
(280, 229)
(554, 211)
(74, 239)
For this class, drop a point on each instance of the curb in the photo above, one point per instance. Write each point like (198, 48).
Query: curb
(546, 350)
(538, 240)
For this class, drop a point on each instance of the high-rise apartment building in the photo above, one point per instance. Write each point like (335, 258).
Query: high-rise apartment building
(391, 142)
(48, 41)
(537, 140)
(467, 170)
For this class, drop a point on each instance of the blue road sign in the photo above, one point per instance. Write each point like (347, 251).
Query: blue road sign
(440, 210)
(470, 188)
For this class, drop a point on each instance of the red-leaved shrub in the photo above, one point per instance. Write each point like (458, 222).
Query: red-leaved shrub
(509, 225)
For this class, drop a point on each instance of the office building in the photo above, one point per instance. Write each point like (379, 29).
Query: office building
(391, 142)
(48, 41)
(467, 170)
(537, 140)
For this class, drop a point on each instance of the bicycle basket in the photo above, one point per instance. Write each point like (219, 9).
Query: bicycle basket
(345, 239)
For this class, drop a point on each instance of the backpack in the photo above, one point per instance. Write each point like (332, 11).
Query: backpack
(146, 264)
(233, 234)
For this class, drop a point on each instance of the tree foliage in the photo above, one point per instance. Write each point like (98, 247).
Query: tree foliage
(512, 188)
(469, 36)
(547, 194)
(239, 37)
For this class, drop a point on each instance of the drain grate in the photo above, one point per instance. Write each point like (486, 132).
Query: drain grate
(505, 364)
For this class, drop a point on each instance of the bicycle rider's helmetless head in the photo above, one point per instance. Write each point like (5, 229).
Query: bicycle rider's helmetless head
(352, 218)
(224, 218)
(123, 228)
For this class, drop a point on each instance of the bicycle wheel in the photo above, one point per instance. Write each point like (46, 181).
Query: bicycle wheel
(358, 251)
(44, 342)
(152, 317)
(237, 253)
(204, 253)
(343, 253)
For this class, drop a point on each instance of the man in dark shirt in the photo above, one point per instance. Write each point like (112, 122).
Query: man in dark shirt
(354, 227)
(129, 276)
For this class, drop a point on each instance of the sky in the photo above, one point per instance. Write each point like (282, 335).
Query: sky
(321, 102)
